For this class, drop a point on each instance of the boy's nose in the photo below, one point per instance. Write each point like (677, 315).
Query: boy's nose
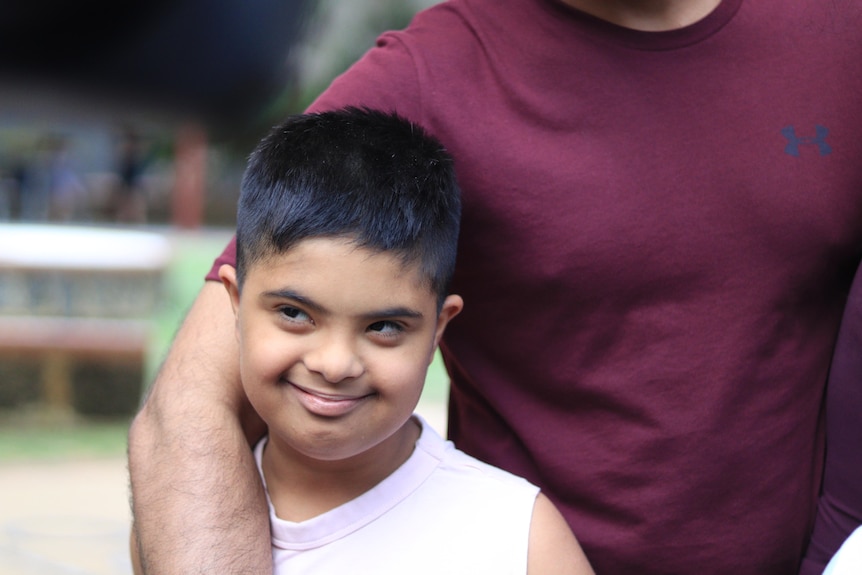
(335, 359)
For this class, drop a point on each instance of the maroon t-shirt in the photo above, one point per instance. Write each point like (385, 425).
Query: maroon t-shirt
(658, 236)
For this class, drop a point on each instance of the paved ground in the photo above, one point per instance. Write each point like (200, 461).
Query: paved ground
(64, 518)
(72, 518)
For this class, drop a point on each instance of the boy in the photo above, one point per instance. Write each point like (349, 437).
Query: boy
(347, 232)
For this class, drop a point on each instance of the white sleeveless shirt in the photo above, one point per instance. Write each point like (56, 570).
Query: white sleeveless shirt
(441, 512)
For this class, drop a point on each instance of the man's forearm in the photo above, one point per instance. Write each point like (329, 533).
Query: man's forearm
(195, 509)
(840, 508)
(197, 498)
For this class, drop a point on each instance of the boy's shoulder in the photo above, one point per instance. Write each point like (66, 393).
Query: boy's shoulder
(461, 468)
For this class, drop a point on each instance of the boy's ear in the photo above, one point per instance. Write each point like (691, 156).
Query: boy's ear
(452, 306)
(227, 275)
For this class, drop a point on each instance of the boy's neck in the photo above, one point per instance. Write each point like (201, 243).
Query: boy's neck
(647, 15)
(302, 488)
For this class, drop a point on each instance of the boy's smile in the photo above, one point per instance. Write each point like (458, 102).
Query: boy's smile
(335, 341)
(326, 404)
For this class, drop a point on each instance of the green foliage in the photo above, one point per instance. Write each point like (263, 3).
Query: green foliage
(36, 439)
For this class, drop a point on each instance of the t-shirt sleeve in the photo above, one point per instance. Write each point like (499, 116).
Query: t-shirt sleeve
(384, 79)
(839, 510)
(228, 256)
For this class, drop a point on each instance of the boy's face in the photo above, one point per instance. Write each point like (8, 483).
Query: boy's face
(335, 342)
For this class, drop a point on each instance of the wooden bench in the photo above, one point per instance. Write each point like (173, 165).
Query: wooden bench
(71, 295)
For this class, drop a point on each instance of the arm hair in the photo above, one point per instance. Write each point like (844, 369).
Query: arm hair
(197, 499)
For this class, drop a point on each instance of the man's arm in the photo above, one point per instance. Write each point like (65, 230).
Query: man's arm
(197, 499)
(839, 511)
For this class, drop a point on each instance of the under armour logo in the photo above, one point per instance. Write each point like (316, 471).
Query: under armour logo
(794, 141)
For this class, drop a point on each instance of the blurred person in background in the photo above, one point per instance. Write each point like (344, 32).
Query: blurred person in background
(66, 192)
(128, 198)
(20, 185)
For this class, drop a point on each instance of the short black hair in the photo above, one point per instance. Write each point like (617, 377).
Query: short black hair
(369, 176)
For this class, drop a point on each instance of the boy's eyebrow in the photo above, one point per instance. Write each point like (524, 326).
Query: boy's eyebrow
(295, 296)
(394, 312)
(386, 313)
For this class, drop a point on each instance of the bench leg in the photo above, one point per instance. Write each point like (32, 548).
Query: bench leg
(57, 381)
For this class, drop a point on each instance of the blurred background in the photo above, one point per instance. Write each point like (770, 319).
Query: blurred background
(124, 130)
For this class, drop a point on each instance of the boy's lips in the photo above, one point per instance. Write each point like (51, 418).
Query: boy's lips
(327, 404)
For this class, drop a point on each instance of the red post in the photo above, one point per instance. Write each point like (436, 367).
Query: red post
(189, 177)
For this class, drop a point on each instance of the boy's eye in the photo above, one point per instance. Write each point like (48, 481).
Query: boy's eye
(388, 328)
(294, 314)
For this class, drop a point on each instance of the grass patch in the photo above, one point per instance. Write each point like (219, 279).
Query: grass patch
(192, 258)
(437, 382)
(35, 435)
